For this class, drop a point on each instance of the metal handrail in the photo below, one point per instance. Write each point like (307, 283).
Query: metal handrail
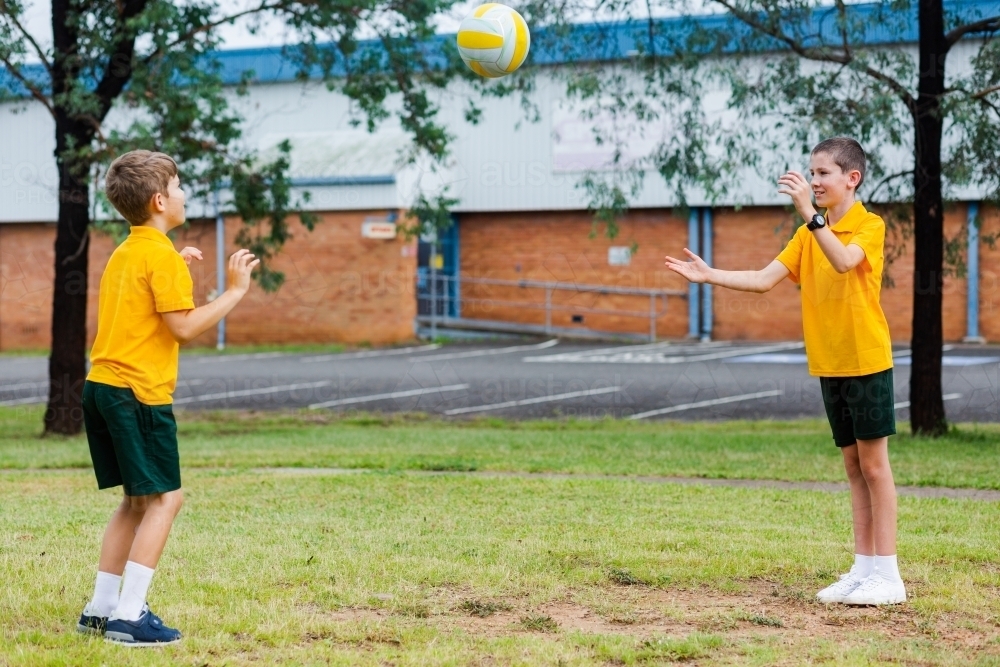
(574, 287)
(549, 286)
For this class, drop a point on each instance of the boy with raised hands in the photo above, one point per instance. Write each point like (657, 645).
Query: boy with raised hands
(146, 310)
(837, 260)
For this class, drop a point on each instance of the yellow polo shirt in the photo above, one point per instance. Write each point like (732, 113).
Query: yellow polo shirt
(845, 329)
(144, 277)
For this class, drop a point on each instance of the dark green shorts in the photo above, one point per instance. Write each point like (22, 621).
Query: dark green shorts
(131, 444)
(860, 408)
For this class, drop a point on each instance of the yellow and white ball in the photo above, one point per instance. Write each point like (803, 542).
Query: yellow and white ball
(494, 40)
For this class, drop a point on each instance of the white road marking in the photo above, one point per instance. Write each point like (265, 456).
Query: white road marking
(237, 357)
(708, 403)
(25, 401)
(394, 394)
(631, 356)
(530, 401)
(252, 392)
(946, 397)
(485, 353)
(370, 353)
(908, 352)
(25, 385)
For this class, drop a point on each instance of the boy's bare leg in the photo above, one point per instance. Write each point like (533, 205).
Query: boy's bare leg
(874, 459)
(861, 503)
(118, 537)
(158, 514)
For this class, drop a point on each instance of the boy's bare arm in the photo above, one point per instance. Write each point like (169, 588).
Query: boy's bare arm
(842, 258)
(697, 271)
(186, 325)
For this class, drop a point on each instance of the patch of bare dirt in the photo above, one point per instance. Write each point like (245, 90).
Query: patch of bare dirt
(759, 609)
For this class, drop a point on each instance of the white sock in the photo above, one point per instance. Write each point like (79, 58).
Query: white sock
(134, 588)
(887, 567)
(105, 594)
(863, 565)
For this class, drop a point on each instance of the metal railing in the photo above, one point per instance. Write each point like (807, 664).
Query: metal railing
(440, 301)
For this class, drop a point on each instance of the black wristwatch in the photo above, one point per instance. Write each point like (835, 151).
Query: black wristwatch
(816, 222)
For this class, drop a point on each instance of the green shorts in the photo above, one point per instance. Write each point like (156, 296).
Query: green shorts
(859, 408)
(131, 444)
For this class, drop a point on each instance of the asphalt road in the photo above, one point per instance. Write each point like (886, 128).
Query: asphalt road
(540, 379)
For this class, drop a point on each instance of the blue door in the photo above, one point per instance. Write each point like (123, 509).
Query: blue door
(438, 290)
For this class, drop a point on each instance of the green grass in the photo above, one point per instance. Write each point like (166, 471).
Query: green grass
(388, 566)
(794, 450)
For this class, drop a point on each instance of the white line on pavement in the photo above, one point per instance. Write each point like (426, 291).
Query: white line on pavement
(485, 353)
(708, 403)
(531, 401)
(252, 392)
(25, 385)
(24, 401)
(238, 357)
(908, 352)
(946, 397)
(370, 353)
(394, 394)
(627, 356)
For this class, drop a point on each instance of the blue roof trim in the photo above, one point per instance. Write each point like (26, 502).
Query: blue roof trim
(321, 181)
(602, 41)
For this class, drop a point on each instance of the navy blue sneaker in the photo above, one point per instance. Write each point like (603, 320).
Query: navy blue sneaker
(90, 624)
(147, 631)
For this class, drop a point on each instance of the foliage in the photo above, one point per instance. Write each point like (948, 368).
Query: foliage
(791, 73)
(143, 74)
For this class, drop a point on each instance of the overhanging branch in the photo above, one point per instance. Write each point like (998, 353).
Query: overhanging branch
(986, 25)
(845, 57)
(32, 88)
(5, 11)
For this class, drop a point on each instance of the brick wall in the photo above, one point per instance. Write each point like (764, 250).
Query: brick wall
(989, 277)
(555, 246)
(338, 286)
(749, 239)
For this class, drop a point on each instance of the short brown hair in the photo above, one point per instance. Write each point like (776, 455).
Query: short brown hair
(846, 153)
(133, 179)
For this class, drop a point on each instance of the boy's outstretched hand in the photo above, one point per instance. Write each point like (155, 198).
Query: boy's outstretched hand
(797, 187)
(697, 271)
(241, 265)
(190, 253)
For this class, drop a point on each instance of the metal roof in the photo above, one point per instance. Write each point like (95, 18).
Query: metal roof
(879, 24)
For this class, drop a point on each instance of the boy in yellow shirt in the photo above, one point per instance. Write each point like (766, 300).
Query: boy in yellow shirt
(145, 311)
(837, 260)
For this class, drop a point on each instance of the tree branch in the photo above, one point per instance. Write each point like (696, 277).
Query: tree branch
(984, 92)
(119, 69)
(32, 88)
(986, 25)
(263, 7)
(27, 35)
(822, 55)
(888, 179)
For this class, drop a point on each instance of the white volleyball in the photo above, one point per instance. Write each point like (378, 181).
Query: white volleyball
(493, 40)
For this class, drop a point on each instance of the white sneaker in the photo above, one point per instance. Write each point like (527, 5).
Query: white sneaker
(876, 589)
(837, 591)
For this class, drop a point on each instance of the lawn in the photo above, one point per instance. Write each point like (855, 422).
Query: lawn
(391, 565)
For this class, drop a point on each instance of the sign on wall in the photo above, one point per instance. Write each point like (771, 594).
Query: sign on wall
(378, 229)
(619, 255)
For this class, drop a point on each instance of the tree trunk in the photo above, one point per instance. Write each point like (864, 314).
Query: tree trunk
(67, 362)
(926, 404)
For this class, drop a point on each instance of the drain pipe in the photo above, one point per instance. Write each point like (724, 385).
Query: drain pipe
(706, 289)
(220, 267)
(694, 325)
(972, 278)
